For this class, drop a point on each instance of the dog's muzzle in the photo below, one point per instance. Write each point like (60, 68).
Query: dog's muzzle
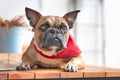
(53, 38)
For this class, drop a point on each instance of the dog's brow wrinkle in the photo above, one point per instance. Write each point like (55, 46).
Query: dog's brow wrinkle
(53, 19)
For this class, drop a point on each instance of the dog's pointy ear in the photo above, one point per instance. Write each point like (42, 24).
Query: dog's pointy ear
(70, 17)
(33, 16)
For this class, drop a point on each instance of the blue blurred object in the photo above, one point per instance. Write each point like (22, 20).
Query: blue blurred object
(11, 40)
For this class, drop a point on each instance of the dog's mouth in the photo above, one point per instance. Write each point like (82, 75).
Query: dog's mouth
(56, 42)
(51, 44)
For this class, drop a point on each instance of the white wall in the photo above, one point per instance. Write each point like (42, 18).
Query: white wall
(12, 8)
(89, 31)
(112, 32)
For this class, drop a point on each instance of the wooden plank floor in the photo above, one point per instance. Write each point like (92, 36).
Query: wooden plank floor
(88, 72)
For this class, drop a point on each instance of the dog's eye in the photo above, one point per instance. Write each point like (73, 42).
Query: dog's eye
(44, 26)
(63, 27)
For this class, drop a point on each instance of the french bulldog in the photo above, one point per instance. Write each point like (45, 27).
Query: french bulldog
(52, 45)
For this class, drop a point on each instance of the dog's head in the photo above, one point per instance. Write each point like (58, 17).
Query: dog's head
(51, 32)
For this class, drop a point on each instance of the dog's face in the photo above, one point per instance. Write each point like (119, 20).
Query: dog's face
(51, 32)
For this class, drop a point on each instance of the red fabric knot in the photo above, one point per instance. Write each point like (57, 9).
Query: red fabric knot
(72, 50)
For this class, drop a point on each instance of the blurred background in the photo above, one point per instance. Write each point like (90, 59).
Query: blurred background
(96, 29)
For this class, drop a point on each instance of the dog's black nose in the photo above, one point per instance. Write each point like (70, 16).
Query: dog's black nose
(54, 30)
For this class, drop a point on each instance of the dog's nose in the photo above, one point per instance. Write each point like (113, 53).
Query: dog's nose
(54, 30)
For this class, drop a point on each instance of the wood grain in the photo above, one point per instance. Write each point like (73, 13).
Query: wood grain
(3, 76)
(20, 75)
(47, 73)
(88, 72)
(78, 74)
(109, 72)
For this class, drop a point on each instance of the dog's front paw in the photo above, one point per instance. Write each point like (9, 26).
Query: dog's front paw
(71, 67)
(23, 66)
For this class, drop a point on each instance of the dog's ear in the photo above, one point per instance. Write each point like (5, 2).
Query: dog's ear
(33, 16)
(70, 17)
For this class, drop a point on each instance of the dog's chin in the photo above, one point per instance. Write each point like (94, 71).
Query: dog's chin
(53, 45)
(51, 51)
(52, 48)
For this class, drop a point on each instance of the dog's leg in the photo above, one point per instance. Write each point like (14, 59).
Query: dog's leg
(74, 64)
(26, 64)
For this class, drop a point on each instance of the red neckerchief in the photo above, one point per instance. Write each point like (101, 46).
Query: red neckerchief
(72, 50)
